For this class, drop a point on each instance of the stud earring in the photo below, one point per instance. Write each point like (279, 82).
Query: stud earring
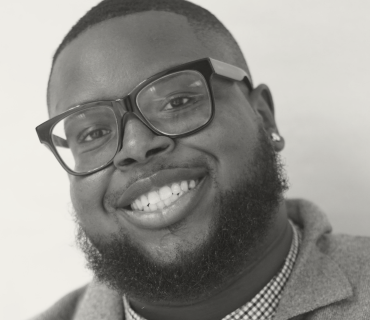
(275, 137)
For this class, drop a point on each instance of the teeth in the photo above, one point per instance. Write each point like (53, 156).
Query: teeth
(163, 197)
(152, 207)
(168, 201)
(144, 200)
(184, 186)
(175, 188)
(134, 206)
(138, 204)
(160, 205)
(153, 197)
(192, 184)
(165, 192)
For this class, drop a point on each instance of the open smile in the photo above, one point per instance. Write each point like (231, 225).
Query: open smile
(164, 198)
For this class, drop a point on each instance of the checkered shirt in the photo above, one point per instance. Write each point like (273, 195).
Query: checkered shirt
(263, 306)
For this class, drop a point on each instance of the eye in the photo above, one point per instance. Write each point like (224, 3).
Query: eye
(176, 103)
(95, 134)
(179, 102)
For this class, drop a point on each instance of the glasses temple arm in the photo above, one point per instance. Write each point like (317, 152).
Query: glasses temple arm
(231, 72)
(60, 142)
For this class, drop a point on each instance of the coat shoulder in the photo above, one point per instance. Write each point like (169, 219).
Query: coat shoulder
(64, 308)
(352, 253)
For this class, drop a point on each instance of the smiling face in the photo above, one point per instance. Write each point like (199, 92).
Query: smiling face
(161, 195)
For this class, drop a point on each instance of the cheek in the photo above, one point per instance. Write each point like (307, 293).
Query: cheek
(87, 194)
(231, 139)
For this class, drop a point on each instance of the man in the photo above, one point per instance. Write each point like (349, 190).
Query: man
(172, 156)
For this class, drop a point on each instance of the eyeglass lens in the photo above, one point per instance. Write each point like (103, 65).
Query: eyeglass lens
(177, 103)
(87, 139)
(174, 104)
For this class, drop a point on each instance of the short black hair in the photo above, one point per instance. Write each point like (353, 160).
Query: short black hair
(199, 18)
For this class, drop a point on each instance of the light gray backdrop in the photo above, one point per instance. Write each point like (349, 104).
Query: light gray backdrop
(313, 54)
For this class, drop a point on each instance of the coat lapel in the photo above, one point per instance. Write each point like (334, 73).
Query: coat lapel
(316, 279)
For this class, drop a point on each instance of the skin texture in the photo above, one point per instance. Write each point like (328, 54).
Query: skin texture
(108, 61)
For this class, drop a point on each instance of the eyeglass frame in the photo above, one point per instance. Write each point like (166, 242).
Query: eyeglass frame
(126, 105)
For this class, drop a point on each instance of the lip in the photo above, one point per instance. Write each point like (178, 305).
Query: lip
(173, 213)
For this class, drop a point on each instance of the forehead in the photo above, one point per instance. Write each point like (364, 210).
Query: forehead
(111, 58)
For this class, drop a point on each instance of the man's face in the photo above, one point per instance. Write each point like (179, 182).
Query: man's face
(107, 62)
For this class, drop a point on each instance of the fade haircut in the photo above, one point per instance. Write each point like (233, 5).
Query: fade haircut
(202, 21)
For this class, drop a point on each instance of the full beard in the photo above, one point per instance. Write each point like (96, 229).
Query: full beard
(243, 216)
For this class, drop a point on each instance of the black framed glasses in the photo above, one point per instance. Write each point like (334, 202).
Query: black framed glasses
(175, 102)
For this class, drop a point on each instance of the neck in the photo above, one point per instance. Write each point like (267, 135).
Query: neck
(238, 290)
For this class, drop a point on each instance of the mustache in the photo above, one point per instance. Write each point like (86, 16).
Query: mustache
(111, 198)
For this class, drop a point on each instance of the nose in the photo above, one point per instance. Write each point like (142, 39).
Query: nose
(140, 144)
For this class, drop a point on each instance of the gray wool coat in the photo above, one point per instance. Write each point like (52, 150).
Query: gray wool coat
(330, 279)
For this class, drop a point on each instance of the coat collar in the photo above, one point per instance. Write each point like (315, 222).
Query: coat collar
(316, 280)
(100, 303)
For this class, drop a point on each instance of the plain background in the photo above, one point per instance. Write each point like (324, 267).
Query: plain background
(313, 54)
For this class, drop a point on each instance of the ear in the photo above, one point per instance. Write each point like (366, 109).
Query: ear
(263, 104)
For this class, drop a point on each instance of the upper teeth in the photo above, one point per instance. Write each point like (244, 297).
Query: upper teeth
(162, 197)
